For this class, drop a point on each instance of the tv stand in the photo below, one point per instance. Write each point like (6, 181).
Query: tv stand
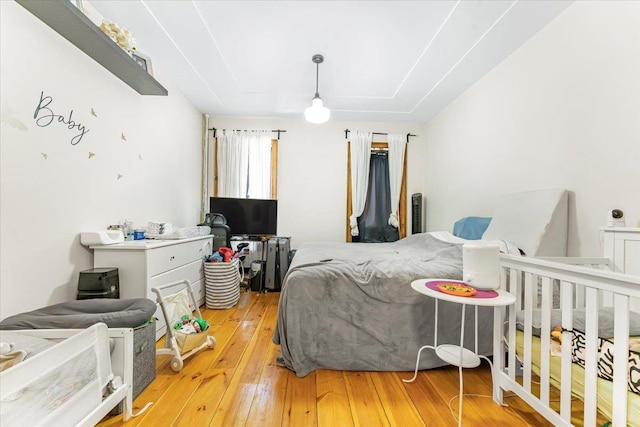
(246, 238)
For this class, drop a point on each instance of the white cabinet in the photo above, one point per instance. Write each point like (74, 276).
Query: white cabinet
(146, 264)
(622, 247)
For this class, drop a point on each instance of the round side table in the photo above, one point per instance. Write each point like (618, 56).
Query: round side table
(457, 355)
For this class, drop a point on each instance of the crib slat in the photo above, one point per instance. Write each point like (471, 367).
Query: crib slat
(617, 290)
(516, 278)
(529, 290)
(545, 333)
(591, 350)
(566, 295)
(620, 364)
(515, 289)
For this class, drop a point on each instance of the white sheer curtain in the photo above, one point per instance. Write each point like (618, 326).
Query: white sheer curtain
(360, 156)
(233, 163)
(244, 164)
(259, 165)
(397, 145)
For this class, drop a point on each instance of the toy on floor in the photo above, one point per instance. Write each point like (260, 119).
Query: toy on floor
(186, 331)
(190, 325)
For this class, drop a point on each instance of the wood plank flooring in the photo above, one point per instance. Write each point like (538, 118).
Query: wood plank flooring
(239, 384)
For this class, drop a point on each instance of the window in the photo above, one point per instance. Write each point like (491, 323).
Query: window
(371, 217)
(245, 165)
(373, 224)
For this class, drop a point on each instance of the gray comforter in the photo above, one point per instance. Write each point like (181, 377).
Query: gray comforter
(350, 306)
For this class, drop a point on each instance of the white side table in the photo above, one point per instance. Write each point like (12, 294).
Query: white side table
(454, 354)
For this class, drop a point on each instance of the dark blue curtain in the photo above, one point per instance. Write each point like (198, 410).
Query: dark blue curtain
(374, 221)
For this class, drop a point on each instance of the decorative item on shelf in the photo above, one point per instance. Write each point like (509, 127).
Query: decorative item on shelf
(89, 11)
(78, 4)
(317, 113)
(144, 61)
(121, 36)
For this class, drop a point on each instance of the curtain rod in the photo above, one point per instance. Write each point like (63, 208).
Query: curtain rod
(346, 134)
(278, 131)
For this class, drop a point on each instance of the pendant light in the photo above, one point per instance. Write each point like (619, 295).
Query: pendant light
(317, 113)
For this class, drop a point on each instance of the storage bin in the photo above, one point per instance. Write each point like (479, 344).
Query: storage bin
(144, 360)
(222, 284)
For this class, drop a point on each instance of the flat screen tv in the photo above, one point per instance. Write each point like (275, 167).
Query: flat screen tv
(247, 217)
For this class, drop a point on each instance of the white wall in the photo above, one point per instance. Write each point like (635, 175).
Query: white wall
(563, 111)
(46, 202)
(312, 172)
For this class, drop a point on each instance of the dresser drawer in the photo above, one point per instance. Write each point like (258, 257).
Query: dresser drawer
(193, 272)
(169, 257)
(198, 291)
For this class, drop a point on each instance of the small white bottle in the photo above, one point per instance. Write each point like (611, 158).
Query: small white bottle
(128, 229)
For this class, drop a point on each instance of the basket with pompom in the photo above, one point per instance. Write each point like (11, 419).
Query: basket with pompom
(190, 333)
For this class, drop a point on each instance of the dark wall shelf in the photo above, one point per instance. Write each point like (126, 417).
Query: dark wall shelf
(68, 21)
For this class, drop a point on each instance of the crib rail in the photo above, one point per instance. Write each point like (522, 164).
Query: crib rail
(583, 261)
(540, 285)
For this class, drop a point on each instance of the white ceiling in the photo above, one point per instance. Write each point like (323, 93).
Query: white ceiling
(391, 61)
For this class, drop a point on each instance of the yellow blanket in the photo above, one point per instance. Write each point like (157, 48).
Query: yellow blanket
(605, 388)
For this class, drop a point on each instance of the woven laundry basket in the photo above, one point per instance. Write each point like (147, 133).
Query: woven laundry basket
(222, 284)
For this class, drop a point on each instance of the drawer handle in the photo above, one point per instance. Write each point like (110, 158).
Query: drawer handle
(172, 258)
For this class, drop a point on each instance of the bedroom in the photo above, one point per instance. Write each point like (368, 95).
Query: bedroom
(561, 111)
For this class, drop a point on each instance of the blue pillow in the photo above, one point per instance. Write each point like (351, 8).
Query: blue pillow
(471, 227)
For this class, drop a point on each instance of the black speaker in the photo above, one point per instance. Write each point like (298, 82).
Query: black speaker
(416, 213)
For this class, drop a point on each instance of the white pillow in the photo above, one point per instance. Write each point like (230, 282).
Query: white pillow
(534, 221)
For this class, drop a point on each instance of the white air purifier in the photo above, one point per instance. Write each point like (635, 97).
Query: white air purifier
(481, 265)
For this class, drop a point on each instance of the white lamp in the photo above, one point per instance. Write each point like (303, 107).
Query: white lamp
(317, 113)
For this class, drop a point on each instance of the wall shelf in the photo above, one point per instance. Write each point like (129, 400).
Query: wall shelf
(68, 21)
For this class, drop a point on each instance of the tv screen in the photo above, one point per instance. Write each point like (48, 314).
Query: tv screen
(247, 217)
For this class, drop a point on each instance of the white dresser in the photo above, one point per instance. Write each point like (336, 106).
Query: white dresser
(622, 247)
(146, 264)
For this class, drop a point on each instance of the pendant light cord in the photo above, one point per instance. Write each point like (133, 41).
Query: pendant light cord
(317, 72)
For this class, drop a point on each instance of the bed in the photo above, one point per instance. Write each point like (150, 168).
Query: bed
(595, 361)
(349, 306)
(69, 377)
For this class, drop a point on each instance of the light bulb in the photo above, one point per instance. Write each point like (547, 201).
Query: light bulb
(317, 113)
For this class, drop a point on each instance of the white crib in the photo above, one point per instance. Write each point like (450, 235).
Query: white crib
(75, 382)
(541, 285)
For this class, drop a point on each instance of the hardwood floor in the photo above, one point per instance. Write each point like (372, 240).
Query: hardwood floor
(239, 384)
